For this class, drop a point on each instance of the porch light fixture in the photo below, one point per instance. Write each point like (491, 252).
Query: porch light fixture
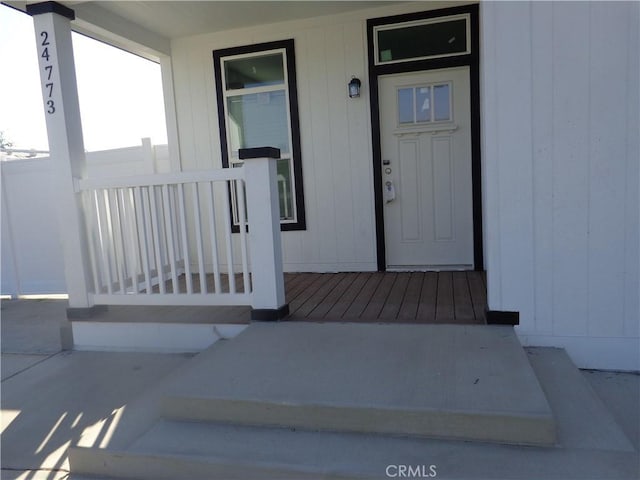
(354, 87)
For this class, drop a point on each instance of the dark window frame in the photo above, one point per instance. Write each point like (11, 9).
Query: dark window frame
(296, 153)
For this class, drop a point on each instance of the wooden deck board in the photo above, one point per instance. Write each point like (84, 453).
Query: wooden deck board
(362, 299)
(445, 312)
(478, 292)
(428, 297)
(340, 307)
(411, 301)
(394, 300)
(344, 280)
(326, 283)
(379, 298)
(462, 306)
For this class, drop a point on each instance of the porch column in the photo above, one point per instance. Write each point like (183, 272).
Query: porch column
(264, 233)
(52, 22)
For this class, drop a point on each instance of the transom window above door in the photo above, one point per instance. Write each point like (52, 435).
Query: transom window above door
(422, 39)
(257, 107)
(424, 104)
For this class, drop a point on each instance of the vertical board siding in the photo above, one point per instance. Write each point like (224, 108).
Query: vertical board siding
(335, 135)
(632, 201)
(515, 157)
(358, 130)
(607, 142)
(560, 163)
(571, 166)
(542, 158)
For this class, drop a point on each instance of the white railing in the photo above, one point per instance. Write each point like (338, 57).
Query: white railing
(167, 239)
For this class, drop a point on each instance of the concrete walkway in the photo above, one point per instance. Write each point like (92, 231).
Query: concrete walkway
(53, 399)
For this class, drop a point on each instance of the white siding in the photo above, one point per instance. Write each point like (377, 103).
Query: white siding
(335, 130)
(560, 174)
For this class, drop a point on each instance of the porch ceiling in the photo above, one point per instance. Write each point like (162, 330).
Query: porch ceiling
(180, 19)
(153, 24)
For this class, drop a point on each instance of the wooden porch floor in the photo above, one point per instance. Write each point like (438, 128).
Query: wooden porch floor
(376, 297)
(405, 297)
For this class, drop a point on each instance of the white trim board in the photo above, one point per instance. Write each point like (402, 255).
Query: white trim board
(149, 337)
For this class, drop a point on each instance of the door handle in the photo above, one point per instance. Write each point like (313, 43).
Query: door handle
(389, 192)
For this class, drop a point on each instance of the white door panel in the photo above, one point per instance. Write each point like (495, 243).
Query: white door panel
(425, 131)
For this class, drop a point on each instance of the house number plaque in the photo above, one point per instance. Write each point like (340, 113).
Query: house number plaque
(50, 104)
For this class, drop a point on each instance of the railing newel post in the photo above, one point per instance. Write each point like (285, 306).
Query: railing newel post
(265, 244)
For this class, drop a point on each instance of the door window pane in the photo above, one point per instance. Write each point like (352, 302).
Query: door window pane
(442, 102)
(258, 71)
(429, 39)
(258, 120)
(405, 105)
(423, 104)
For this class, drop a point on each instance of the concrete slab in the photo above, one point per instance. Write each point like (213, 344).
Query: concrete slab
(32, 326)
(13, 363)
(36, 475)
(583, 421)
(621, 394)
(71, 395)
(214, 451)
(469, 382)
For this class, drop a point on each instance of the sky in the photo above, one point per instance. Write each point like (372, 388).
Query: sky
(120, 93)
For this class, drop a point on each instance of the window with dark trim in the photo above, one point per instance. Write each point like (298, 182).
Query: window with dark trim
(258, 107)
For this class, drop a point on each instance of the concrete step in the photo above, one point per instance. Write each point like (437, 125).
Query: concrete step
(590, 445)
(450, 381)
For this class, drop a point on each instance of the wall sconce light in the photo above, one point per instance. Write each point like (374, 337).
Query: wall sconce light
(354, 87)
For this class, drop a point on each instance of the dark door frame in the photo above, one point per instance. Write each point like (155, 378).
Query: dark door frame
(472, 60)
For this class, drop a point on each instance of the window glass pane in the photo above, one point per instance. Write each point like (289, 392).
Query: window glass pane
(419, 41)
(441, 99)
(423, 104)
(259, 71)
(285, 189)
(405, 105)
(258, 120)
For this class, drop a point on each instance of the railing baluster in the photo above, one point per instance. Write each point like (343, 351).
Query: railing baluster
(91, 226)
(157, 243)
(242, 220)
(112, 197)
(106, 237)
(200, 252)
(168, 223)
(175, 225)
(227, 236)
(185, 244)
(214, 239)
(134, 237)
(143, 230)
(127, 214)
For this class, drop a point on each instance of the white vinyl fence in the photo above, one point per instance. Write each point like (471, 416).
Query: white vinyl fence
(31, 259)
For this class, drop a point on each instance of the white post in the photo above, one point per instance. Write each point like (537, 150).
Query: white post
(52, 22)
(264, 233)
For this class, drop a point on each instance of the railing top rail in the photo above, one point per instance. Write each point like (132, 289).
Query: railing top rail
(194, 176)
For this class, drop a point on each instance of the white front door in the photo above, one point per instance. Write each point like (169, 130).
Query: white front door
(425, 131)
